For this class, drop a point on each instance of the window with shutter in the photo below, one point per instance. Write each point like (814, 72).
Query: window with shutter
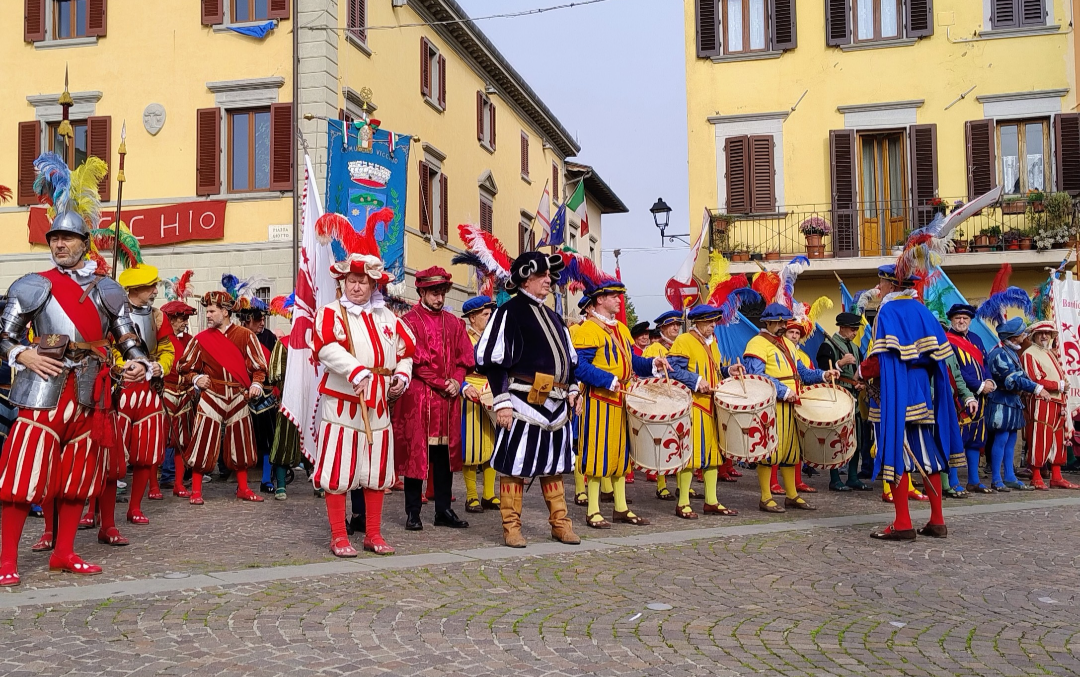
(442, 82)
(259, 10)
(425, 198)
(708, 28)
(208, 151)
(837, 23)
(737, 175)
(357, 19)
(919, 15)
(279, 9)
(480, 117)
(213, 12)
(486, 214)
(555, 195)
(1004, 14)
(1032, 12)
(843, 179)
(485, 121)
(425, 68)
(981, 162)
(1067, 143)
(281, 146)
(74, 150)
(784, 34)
(96, 20)
(746, 26)
(524, 155)
(29, 149)
(99, 145)
(493, 126)
(922, 142)
(444, 210)
(762, 175)
(33, 21)
(874, 20)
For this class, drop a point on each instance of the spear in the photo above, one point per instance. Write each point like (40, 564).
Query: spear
(119, 200)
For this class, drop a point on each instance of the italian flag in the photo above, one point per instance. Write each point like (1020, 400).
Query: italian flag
(579, 206)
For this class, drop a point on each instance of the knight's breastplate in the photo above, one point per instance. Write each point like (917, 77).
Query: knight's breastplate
(143, 319)
(31, 391)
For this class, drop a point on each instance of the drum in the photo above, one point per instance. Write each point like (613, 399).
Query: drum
(745, 412)
(826, 426)
(659, 425)
(488, 400)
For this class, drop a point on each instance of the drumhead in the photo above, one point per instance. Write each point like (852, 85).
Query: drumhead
(759, 392)
(670, 399)
(817, 407)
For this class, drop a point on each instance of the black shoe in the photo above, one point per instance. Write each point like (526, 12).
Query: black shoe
(357, 524)
(413, 523)
(266, 488)
(810, 471)
(449, 519)
(839, 486)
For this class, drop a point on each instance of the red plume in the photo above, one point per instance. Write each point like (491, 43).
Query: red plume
(337, 227)
(5, 194)
(1001, 280)
(724, 289)
(182, 287)
(766, 283)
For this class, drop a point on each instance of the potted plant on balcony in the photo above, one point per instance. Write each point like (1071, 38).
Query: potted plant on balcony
(1013, 204)
(992, 233)
(739, 252)
(1011, 239)
(1035, 200)
(772, 255)
(1027, 240)
(1046, 237)
(938, 205)
(813, 229)
(960, 243)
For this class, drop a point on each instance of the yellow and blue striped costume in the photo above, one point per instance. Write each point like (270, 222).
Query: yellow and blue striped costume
(605, 356)
(477, 431)
(692, 359)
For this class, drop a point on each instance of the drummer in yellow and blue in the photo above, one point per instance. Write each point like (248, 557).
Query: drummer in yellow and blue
(477, 430)
(605, 365)
(669, 325)
(696, 363)
(773, 355)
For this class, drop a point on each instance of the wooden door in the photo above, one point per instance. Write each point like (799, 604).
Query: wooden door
(883, 192)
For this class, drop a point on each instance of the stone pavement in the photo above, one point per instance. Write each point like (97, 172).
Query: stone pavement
(1000, 596)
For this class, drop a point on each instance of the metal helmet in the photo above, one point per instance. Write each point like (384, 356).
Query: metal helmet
(68, 222)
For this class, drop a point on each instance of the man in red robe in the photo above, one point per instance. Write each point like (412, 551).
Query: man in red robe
(427, 418)
(225, 364)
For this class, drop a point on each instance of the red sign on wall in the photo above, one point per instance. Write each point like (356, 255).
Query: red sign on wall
(157, 226)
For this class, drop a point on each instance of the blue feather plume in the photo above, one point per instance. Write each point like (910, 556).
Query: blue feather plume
(993, 309)
(290, 300)
(258, 304)
(53, 181)
(788, 274)
(729, 311)
(231, 284)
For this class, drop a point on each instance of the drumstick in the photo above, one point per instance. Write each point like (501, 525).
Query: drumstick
(642, 397)
(926, 480)
(742, 382)
(728, 392)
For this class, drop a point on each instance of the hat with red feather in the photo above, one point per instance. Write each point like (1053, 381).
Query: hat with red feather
(362, 254)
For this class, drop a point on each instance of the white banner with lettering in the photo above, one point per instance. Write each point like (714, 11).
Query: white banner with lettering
(1066, 295)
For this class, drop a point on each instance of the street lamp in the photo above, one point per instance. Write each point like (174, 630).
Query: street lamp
(661, 216)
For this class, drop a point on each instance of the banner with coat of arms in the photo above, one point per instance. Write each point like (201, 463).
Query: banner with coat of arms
(367, 169)
(1066, 298)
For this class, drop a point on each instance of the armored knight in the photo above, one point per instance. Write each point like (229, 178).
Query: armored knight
(75, 314)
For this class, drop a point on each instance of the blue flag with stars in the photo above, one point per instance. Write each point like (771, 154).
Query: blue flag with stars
(558, 229)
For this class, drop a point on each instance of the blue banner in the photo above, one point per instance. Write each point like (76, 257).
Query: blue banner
(364, 173)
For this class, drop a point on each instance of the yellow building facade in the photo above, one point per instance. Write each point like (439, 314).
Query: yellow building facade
(865, 113)
(212, 103)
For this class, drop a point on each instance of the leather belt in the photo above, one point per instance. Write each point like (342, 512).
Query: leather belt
(79, 345)
(380, 371)
(530, 379)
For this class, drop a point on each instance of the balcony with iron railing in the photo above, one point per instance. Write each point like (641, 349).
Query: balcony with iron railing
(867, 234)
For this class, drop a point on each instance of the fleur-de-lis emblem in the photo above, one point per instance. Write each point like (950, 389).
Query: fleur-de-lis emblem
(53, 340)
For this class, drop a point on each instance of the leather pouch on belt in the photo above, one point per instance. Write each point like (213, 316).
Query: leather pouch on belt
(53, 345)
(541, 388)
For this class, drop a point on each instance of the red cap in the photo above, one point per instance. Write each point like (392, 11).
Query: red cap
(434, 276)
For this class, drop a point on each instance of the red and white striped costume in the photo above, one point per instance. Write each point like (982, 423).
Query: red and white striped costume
(1046, 419)
(222, 417)
(177, 399)
(382, 346)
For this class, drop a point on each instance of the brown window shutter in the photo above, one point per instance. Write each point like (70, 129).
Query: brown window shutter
(96, 18)
(29, 149)
(425, 199)
(922, 154)
(99, 145)
(524, 154)
(480, 116)
(213, 12)
(981, 157)
(33, 22)
(444, 210)
(1003, 14)
(425, 68)
(837, 23)
(762, 175)
(920, 18)
(279, 9)
(737, 164)
(486, 216)
(493, 127)
(1032, 12)
(555, 182)
(708, 28)
(281, 146)
(523, 232)
(357, 19)
(442, 81)
(208, 151)
(1067, 143)
(845, 210)
(784, 34)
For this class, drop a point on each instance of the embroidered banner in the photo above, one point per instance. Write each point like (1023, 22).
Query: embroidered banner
(1066, 298)
(156, 226)
(367, 170)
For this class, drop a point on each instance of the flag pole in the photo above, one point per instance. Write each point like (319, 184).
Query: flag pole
(120, 179)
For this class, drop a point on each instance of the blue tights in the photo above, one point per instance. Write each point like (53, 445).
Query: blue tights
(974, 457)
(1003, 451)
(267, 468)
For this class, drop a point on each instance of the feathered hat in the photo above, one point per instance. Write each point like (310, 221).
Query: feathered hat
(1003, 297)
(804, 315)
(362, 254)
(242, 292)
(722, 284)
(74, 205)
(281, 306)
(489, 259)
(178, 288)
(580, 273)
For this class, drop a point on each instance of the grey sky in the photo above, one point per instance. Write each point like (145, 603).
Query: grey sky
(614, 75)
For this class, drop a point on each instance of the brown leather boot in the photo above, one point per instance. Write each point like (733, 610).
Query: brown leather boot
(562, 528)
(511, 491)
